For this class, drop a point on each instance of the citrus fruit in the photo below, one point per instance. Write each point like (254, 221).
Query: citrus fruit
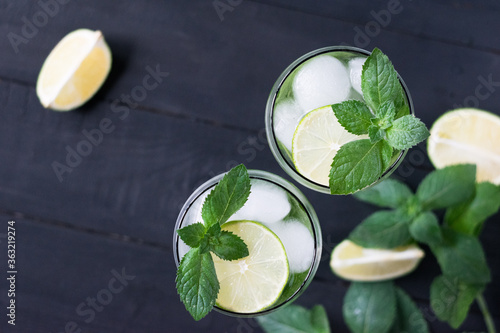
(467, 136)
(353, 262)
(255, 282)
(316, 141)
(74, 70)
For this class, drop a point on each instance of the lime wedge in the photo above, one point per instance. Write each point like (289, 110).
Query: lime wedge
(316, 141)
(355, 263)
(74, 70)
(255, 282)
(467, 136)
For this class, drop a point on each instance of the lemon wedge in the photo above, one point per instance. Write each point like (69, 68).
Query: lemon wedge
(353, 262)
(467, 136)
(74, 70)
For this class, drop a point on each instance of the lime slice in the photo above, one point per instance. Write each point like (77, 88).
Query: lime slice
(74, 70)
(467, 136)
(255, 282)
(316, 141)
(355, 263)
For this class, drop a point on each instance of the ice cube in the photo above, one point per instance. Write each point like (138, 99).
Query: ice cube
(287, 115)
(355, 69)
(321, 81)
(267, 203)
(298, 243)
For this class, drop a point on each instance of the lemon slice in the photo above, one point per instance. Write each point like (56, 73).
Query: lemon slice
(316, 141)
(355, 263)
(467, 136)
(74, 70)
(255, 282)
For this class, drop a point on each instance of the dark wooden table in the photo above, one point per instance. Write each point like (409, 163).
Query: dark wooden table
(104, 230)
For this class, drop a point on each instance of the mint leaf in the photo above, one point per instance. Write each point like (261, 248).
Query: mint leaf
(469, 216)
(319, 319)
(229, 246)
(451, 299)
(376, 134)
(358, 164)
(296, 319)
(379, 81)
(447, 187)
(409, 319)
(406, 132)
(425, 229)
(354, 116)
(227, 197)
(197, 283)
(388, 193)
(383, 229)
(370, 307)
(192, 234)
(386, 115)
(461, 256)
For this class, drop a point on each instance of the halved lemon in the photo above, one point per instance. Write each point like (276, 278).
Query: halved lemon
(467, 136)
(255, 282)
(353, 262)
(74, 70)
(316, 141)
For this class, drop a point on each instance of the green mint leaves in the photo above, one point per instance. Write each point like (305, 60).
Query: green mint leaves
(295, 319)
(381, 307)
(411, 216)
(370, 307)
(447, 187)
(227, 197)
(384, 118)
(358, 164)
(354, 116)
(406, 132)
(459, 297)
(196, 281)
(455, 244)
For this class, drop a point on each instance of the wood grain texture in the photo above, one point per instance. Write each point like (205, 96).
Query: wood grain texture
(117, 208)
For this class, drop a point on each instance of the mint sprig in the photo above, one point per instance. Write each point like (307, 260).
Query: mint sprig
(455, 244)
(196, 280)
(384, 118)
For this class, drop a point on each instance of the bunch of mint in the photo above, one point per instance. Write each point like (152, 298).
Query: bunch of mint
(196, 281)
(385, 118)
(455, 244)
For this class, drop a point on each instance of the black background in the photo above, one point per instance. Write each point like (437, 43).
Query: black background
(116, 210)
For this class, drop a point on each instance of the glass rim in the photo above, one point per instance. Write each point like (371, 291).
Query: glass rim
(298, 195)
(271, 137)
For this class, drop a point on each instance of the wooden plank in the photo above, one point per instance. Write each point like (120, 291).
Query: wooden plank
(466, 23)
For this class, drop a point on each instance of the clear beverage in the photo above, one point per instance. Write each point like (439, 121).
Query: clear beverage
(320, 78)
(280, 206)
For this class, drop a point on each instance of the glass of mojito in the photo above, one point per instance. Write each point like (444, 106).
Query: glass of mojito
(303, 133)
(284, 241)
